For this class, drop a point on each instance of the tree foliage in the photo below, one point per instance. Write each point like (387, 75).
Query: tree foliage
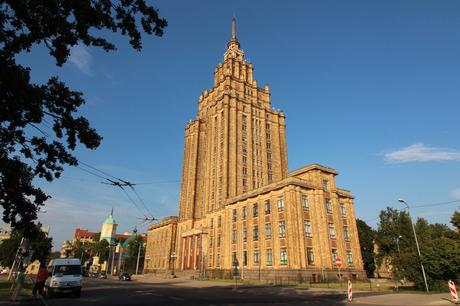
(455, 220)
(39, 124)
(366, 239)
(439, 248)
(40, 245)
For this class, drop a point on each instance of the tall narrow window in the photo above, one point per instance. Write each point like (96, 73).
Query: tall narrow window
(245, 258)
(267, 207)
(283, 256)
(325, 185)
(256, 257)
(255, 233)
(245, 235)
(234, 236)
(219, 221)
(268, 231)
(255, 210)
(269, 257)
(282, 229)
(310, 256)
(280, 203)
(331, 231)
(244, 213)
(218, 240)
(305, 202)
(334, 255)
(342, 210)
(346, 233)
(349, 258)
(212, 223)
(328, 205)
(307, 228)
(235, 215)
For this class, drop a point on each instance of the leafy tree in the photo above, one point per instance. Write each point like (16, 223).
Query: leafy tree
(100, 248)
(455, 220)
(366, 240)
(133, 247)
(28, 110)
(40, 245)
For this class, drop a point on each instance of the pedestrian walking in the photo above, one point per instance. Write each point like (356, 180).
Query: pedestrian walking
(40, 281)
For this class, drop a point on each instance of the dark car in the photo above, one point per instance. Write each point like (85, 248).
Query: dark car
(125, 276)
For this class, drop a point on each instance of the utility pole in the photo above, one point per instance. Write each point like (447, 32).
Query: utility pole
(138, 256)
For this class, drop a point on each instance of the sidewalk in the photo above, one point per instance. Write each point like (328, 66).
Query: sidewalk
(417, 299)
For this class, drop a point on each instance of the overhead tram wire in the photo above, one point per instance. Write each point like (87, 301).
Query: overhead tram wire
(119, 183)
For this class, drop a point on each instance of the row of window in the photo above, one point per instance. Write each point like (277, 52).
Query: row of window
(283, 258)
(282, 231)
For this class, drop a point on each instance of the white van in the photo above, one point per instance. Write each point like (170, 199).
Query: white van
(64, 277)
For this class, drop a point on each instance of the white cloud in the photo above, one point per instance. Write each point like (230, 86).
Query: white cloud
(456, 193)
(421, 153)
(81, 58)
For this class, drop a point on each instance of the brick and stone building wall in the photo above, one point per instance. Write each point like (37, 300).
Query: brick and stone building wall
(161, 239)
(239, 203)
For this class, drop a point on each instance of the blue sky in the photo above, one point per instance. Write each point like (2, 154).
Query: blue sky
(369, 88)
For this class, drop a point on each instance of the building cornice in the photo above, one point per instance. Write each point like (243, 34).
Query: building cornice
(313, 167)
(165, 221)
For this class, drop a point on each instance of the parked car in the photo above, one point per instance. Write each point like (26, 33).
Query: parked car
(124, 276)
(103, 275)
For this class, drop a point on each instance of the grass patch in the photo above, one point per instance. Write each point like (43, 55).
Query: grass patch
(5, 287)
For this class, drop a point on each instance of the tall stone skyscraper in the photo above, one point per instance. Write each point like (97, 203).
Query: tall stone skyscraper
(236, 143)
(239, 204)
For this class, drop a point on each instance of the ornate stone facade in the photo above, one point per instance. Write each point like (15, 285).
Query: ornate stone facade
(238, 202)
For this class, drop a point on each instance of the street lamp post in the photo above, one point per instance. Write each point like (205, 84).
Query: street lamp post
(416, 242)
(397, 243)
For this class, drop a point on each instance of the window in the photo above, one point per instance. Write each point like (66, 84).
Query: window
(268, 231)
(267, 207)
(234, 259)
(349, 258)
(256, 257)
(280, 203)
(255, 233)
(243, 137)
(245, 235)
(282, 228)
(342, 210)
(219, 221)
(304, 202)
(334, 255)
(255, 210)
(234, 236)
(218, 240)
(346, 233)
(307, 228)
(331, 231)
(283, 256)
(310, 256)
(245, 258)
(218, 260)
(244, 213)
(325, 185)
(269, 256)
(235, 215)
(212, 223)
(328, 205)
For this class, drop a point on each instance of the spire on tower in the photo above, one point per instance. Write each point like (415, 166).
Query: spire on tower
(234, 28)
(234, 40)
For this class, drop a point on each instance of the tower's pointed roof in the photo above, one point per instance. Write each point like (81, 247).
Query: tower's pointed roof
(110, 219)
(233, 40)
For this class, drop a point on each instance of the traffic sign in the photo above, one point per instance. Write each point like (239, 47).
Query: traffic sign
(338, 262)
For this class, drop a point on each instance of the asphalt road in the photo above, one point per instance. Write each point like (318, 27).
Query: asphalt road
(114, 292)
